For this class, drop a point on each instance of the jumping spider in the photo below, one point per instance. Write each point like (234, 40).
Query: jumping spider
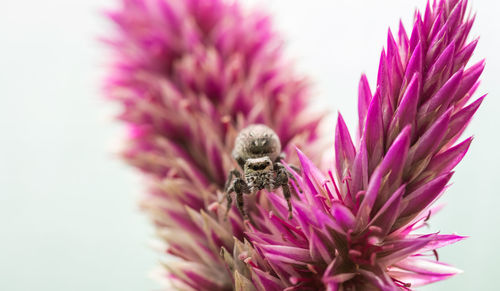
(257, 151)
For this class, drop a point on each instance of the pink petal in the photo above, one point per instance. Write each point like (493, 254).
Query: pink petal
(395, 157)
(343, 216)
(374, 131)
(442, 240)
(286, 254)
(402, 249)
(360, 170)
(446, 161)
(464, 55)
(318, 249)
(265, 281)
(443, 96)
(414, 64)
(443, 60)
(460, 120)
(422, 197)
(364, 98)
(366, 206)
(344, 148)
(470, 77)
(406, 112)
(387, 215)
(419, 272)
(428, 143)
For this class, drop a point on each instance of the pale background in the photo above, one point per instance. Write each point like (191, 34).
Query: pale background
(68, 214)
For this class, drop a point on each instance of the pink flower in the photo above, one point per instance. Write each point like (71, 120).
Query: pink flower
(357, 229)
(189, 75)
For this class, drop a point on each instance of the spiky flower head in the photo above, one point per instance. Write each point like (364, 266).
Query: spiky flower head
(358, 228)
(189, 75)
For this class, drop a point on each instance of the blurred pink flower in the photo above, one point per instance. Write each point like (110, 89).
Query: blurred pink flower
(189, 75)
(357, 230)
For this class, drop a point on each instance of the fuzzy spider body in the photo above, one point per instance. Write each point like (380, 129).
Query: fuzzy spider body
(257, 150)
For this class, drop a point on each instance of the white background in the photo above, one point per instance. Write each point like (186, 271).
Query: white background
(68, 214)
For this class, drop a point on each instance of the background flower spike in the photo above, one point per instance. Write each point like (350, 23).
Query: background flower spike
(189, 75)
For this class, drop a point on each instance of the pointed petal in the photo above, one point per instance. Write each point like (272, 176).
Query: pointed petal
(442, 240)
(265, 281)
(287, 254)
(363, 215)
(406, 112)
(429, 142)
(402, 249)
(418, 271)
(241, 283)
(446, 161)
(439, 65)
(443, 96)
(422, 197)
(343, 216)
(374, 131)
(379, 279)
(344, 148)
(387, 215)
(464, 55)
(461, 119)
(395, 157)
(364, 98)
(470, 77)
(414, 64)
(404, 42)
(360, 170)
(318, 249)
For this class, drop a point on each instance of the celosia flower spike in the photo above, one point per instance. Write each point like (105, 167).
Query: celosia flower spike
(357, 230)
(189, 74)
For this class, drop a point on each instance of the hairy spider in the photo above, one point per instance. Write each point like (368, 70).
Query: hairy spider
(257, 150)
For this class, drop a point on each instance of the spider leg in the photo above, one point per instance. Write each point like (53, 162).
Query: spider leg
(280, 158)
(229, 188)
(291, 176)
(240, 204)
(282, 179)
(239, 187)
(232, 173)
(286, 193)
(229, 203)
(295, 168)
(280, 167)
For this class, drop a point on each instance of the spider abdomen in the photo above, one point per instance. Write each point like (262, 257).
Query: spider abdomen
(256, 141)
